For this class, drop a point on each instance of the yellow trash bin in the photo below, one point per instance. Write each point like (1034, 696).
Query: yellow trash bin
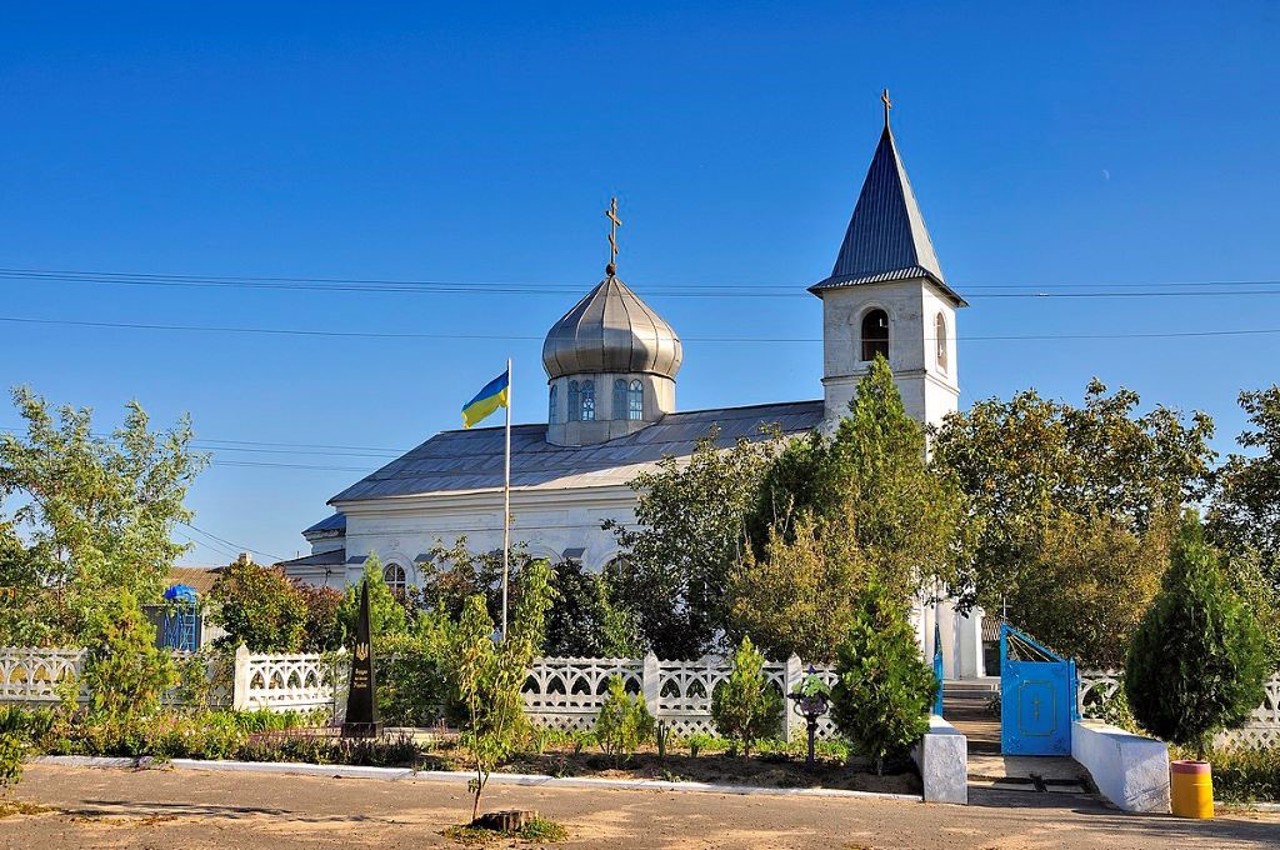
(1191, 787)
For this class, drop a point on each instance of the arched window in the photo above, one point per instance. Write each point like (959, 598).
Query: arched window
(635, 401)
(875, 334)
(940, 337)
(619, 399)
(588, 401)
(396, 579)
(551, 407)
(575, 405)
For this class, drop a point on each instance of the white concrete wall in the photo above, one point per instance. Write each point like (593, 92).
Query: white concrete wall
(1130, 771)
(943, 759)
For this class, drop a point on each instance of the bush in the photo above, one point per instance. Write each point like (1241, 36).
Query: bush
(1246, 774)
(125, 672)
(746, 707)
(259, 607)
(623, 722)
(1197, 663)
(322, 631)
(13, 749)
(413, 688)
(882, 698)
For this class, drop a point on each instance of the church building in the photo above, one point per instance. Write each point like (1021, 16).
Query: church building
(611, 363)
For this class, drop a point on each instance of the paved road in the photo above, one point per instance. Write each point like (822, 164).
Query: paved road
(117, 808)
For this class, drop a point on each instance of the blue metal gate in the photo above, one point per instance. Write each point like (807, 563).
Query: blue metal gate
(1037, 697)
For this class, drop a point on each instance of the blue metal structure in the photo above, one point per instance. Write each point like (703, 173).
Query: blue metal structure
(181, 624)
(937, 666)
(1037, 697)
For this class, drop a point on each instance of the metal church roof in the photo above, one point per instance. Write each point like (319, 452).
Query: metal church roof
(465, 461)
(886, 238)
(611, 330)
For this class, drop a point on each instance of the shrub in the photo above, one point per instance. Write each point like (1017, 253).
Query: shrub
(746, 707)
(124, 670)
(13, 749)
(882, 697)
(1246, 774)
(259, 607)
(413, 687)
(1197, 663)
(322, 631)
(623, 722)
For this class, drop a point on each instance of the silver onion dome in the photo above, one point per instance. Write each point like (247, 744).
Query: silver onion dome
(611, 330)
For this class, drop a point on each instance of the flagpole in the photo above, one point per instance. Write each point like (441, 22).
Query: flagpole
(506, 508)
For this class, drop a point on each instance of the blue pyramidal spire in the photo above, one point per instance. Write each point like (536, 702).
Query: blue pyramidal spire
(886, 239)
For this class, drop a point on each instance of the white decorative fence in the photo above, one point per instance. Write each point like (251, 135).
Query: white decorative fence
(1098, 686)
(274, 682)
(34, 675)
(567, 693)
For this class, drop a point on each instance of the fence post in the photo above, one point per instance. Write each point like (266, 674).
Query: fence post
(649, 682)
(240, 680)
(792, 675)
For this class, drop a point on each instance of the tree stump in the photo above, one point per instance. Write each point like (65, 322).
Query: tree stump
(511, 820)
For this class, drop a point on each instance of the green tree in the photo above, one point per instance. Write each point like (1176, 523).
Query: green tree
(1198, 661)
(453, 574)
(688, 535)
(124, 671)
(386, 612)
(1087, 585)
(93, 514)
(1245, 513)
(258, 606)
(840, 512)
(798, 596)
(322, 631)
(1032, 467)
(584, 622)
(882, 697)
(486, 677)
(746, 707)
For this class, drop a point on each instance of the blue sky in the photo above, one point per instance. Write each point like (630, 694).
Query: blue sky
(1072, 148)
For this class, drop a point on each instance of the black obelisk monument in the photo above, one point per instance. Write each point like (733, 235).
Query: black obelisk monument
(362, 712)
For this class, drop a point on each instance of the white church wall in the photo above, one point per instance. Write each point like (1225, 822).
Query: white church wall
(550, 522)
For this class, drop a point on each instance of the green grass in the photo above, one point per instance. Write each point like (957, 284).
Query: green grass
(538, 830)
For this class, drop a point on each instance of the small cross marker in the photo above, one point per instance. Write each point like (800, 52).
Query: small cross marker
(888, 104)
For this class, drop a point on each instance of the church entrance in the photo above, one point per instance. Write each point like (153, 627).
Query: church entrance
(1037, 697)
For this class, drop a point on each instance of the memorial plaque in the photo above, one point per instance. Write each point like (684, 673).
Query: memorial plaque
(362, 711)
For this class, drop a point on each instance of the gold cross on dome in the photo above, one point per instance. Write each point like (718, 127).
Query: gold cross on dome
(614, 224)
(888, 104)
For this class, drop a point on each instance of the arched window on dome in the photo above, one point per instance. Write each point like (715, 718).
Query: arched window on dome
(575, 404)
(875, 334)
(940, 340)
(635, 401)
(588, 401)
(551, 406)
(396, 578)
(619, 399)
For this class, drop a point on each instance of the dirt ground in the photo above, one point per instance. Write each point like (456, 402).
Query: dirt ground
(166, 808)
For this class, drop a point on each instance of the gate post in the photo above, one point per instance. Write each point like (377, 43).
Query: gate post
(240, 680)
(792, 673)
(649, 684)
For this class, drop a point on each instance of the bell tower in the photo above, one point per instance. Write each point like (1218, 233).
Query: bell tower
(886, 295)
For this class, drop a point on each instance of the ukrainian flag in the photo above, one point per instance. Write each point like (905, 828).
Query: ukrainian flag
(494, 395)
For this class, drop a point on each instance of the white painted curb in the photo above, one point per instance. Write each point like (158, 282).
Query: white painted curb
(521, 779)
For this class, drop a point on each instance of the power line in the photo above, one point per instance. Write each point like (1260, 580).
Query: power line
(236, 546)
(1157, 289)
(518, 337)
